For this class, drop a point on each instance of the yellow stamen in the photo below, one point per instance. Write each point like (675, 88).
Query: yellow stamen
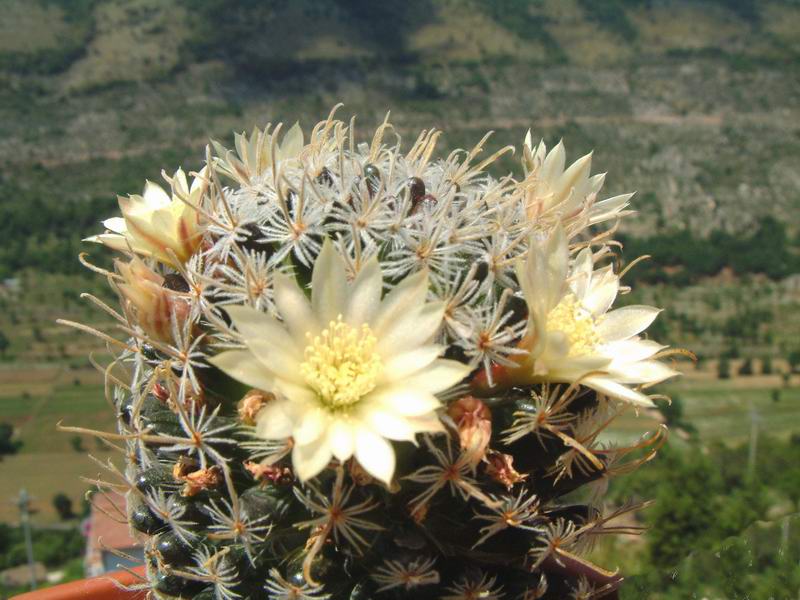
(341, 364)
(574, 321)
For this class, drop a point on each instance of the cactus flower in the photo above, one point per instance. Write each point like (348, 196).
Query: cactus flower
(572, 336)
(157, 224)
(351, 371)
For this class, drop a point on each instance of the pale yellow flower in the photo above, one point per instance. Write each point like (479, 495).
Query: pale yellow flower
(572, 335)
(155, 224)
(255, 154)
(555, 194)
(351, 371)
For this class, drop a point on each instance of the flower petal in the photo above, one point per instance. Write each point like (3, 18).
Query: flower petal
(243, 366)
(255, 325)
(295, 393)
(440, 375)
(630, 350)
(429, 423)
(645, 371)
(626, 322)
(310, 460)
(403, 302)
(310, 425)
(328, 285)
(617, 390)
(365, 294)
(388, 424)
(402, 365)
(375, 454)
(341, 438)
(273, 421)
(603, 292)
(294, 308)
(155, 196)
(116, 225)
(404, 400)
(268, 340)
(416, 329)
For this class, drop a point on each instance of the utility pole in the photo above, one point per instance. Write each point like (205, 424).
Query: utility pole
(753, 449)
(24, 502)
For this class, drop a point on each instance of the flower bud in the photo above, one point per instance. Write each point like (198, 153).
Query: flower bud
(154, 305)
(474, 422)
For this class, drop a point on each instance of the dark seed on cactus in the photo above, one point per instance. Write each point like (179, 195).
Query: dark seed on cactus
(176, 282)
(149, 352)
(482, 272)
(372, 175)
(416, 189)
(518, 308)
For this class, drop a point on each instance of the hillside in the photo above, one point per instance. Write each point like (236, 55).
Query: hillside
(693, 104)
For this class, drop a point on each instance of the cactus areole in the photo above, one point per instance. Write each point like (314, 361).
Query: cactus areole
(354, 369)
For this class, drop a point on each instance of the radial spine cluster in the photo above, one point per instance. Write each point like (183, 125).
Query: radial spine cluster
(349, 370)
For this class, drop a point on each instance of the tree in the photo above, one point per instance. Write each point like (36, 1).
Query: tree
(724, 368)
(8, 445)
(63, 506)
(673, 415)
(747, 367)
(4, 343)
(794, 360)
(766, 365)
(76, 442)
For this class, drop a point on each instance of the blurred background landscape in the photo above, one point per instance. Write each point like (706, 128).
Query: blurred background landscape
(693, 104)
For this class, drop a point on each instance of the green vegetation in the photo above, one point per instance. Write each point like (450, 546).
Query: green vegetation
(679, 258)
(721, 522)
(63, 505)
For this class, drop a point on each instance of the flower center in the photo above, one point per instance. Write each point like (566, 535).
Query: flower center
(575, 322)
(341, 364)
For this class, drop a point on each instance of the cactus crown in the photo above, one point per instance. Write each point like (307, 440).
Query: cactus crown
(350, 371)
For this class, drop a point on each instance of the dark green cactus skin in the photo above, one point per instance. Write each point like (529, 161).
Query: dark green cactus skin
(448, 532)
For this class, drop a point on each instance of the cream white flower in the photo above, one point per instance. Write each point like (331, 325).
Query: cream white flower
(571, 333)
(157, 224)
(555, 193)
(255, 155)
(351, 371)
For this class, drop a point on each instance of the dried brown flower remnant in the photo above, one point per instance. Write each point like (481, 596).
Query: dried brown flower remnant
(252, 402)
(474, 422)
(197, 481)
(500, 467)
(269, 474)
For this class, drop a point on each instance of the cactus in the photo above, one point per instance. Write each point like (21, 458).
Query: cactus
(347, 371)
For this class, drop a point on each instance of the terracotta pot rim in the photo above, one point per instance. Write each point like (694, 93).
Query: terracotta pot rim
(103, 587)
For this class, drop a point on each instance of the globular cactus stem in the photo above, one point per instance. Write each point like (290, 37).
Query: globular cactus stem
(350, 371)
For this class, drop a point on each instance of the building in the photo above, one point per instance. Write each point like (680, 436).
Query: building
(106, 532)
